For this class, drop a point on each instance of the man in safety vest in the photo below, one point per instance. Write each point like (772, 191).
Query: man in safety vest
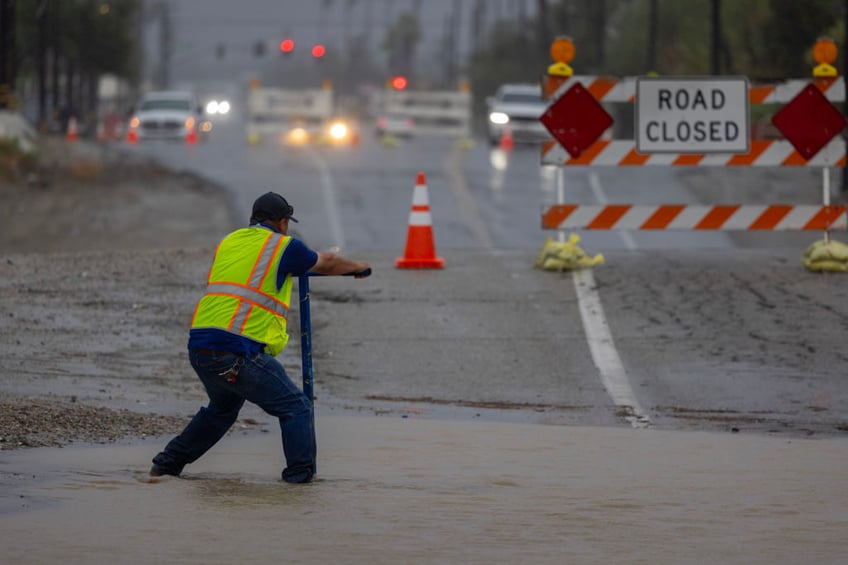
(238, 328)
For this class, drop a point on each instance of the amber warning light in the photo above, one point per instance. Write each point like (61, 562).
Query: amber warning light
(562, 52)
(824, 52)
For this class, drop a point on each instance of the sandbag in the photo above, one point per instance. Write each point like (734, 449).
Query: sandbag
(826, 256)
(565, 255)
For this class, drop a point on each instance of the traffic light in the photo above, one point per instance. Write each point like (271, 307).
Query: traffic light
(318, 51)
(399, 82)
(287, 46)
(220, 51)
(259, 49)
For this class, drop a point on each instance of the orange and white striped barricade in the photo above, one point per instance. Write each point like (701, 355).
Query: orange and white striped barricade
(762, 153)
(782, 217)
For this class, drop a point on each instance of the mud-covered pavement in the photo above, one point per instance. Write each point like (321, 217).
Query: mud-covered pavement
(104, 256)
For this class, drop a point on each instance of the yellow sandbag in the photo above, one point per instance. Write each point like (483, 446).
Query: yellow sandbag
(827, 266)
(819, 251)
(834, 249)
(826, 256)
(565, 256)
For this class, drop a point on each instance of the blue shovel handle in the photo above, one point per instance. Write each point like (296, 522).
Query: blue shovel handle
(306, 330)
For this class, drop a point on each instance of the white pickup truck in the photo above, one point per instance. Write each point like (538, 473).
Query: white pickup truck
(516, 108)
(168, 114)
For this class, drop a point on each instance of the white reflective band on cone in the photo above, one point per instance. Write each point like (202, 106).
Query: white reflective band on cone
(420, 219)
(419, 195)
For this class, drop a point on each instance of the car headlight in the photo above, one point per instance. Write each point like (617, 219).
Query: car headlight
(338, 131)
(498, 118)
(297, 136)
(212, 107)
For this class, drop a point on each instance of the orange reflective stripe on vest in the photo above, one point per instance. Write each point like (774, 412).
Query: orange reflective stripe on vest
(241, 294)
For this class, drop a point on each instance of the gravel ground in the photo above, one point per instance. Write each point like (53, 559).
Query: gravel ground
(32, 422)
(79, 204)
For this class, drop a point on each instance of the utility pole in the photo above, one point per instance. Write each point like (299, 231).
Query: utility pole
(456, 29)
(845, 104)
(41, 18)
(600, 31)
(716, 42)
(7, 54)
(653, 17)
(54, 41)
(163, 72)
(478, 18)
(542, 25)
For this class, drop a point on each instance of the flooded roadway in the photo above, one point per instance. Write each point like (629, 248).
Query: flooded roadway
(396, 489)
(410, 490)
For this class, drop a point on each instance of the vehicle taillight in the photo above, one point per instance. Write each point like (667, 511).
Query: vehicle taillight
(189, 122)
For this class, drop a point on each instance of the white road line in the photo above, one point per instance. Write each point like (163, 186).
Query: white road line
(604, 353)
(601, 345)
(328, 191)
(598, 191)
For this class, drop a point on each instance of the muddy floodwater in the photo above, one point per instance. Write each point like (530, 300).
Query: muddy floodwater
(417, 490)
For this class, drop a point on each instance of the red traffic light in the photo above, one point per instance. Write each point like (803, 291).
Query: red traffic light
(287, 45)
(318, 51)
(399, 82)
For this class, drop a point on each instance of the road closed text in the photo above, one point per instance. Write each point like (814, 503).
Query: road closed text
(692, 116)
(692, 130)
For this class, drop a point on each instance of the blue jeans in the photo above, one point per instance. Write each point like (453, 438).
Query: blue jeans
(262, 380)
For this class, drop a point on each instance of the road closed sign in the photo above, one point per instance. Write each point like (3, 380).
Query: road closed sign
(692, 115)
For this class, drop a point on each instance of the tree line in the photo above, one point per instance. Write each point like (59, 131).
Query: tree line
(55, 52)
(764, 40)
(63, 47)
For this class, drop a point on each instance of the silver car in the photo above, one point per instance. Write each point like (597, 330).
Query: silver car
(516, 108)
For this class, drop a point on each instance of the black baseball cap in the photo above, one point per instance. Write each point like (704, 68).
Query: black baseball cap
(271, 206)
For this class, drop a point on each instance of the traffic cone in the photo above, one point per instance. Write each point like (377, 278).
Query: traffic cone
(507, 143)
(420, 250)
(71, 135)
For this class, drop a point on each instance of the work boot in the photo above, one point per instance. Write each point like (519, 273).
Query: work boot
(297, 475)
(159, 470)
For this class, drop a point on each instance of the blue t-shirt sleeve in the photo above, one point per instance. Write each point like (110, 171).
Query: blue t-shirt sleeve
(297, 259)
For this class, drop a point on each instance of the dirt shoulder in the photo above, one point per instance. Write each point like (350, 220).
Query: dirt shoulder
(70, 316)
(85, 197)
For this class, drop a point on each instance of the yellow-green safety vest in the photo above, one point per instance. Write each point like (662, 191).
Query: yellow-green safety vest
(241, 293)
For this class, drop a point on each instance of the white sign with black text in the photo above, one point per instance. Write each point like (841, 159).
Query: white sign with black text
(692, 115)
